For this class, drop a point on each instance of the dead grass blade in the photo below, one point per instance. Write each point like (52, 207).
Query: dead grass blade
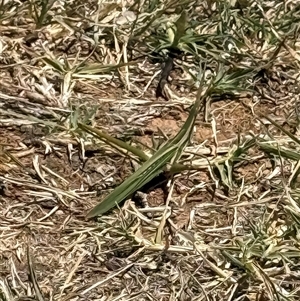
(32, 276)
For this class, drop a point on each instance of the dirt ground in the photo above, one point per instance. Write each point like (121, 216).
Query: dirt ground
(47, 192)
(51, 175)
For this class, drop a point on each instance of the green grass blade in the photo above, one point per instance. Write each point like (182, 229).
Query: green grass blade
(180, 28)
(55, 64)
(293, 137)
(113, 141)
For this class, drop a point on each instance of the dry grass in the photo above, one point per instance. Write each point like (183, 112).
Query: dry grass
(227, 228)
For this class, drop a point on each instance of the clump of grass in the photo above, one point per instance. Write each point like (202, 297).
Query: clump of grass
(39, 11)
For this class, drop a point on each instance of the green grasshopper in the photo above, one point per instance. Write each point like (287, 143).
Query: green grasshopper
(167, 154)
